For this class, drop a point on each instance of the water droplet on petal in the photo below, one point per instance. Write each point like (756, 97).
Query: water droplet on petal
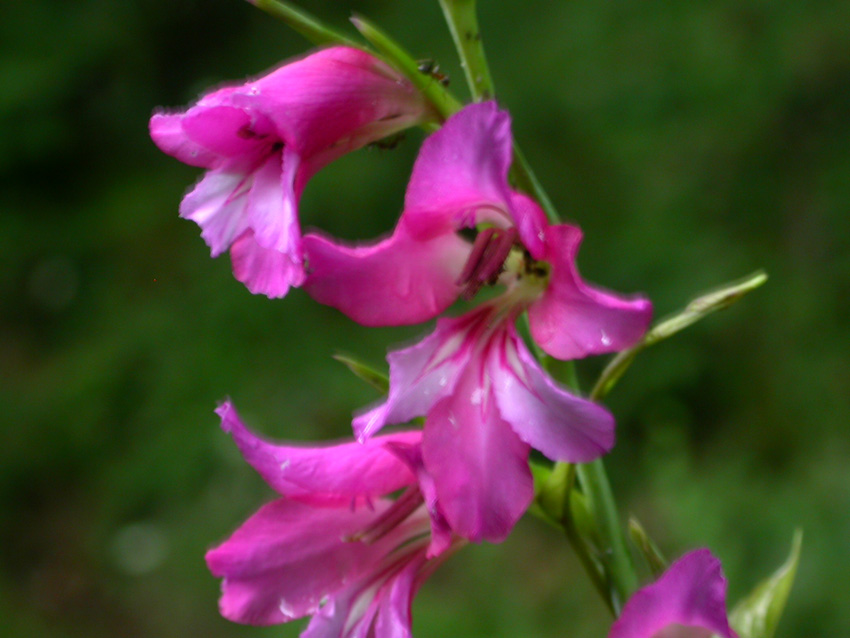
(606, 340)
(285, 465)
(477, 396)
(286, 609)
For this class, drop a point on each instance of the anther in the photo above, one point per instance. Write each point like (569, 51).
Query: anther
(486, 259)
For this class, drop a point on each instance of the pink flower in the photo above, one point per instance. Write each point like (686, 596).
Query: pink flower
(485, 398)
(262, 141)
(333, 547)
(688, 601)
(460, 180)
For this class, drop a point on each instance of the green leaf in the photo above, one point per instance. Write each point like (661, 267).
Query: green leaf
(647, 547)
(367, 373)
(699, 308)
(757, 615)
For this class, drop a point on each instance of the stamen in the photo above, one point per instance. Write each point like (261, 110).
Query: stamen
(486, 260)
(481, 242)
(403, 507)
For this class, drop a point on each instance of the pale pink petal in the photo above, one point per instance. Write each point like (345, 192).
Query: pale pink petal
(328, 475)
(272, 205)
(545, 415)
(423, 373)
(396, 281)
(479, 465)
(572, 320)
(687, 601)
(461, 174)
(284, 559)
(264, 271)
(217, 205)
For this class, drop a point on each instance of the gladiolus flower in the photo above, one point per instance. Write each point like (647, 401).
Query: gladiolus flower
(262, 141)
(460, 180)
(484, 396)
(334, 546)
(687, 601)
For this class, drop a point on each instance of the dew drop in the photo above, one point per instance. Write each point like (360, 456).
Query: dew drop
(606, 340)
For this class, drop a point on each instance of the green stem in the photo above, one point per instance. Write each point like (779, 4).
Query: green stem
(615, 556)
(303, 23)
(463, 24)
(525, 179)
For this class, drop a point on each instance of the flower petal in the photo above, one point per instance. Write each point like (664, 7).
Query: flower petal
(423, 373)
(543, 414)
(397, 281)
(690, 597)
(479, 465)
(264, 271)
(319, 102)
(166, 130)
(572, 320)
(217, 205)
(461, 168)
(334, 474)
(284, 559)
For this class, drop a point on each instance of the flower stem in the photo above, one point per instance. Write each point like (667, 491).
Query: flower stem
(463, 24)
(443, 102)
(614, 553)
(303, 23)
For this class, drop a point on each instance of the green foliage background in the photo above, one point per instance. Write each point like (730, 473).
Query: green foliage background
(694, 142)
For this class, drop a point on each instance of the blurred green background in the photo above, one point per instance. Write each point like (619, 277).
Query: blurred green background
(694, 142)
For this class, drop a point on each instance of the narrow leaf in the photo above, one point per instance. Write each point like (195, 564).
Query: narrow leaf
(649, 550)
(362, 371)
(697, 309)
(757, 615)
(303, 23)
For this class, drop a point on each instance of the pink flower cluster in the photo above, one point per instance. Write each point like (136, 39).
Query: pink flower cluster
(361, 524)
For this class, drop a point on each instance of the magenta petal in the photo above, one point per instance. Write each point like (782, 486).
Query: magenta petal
(531, 224)
(479, 465)
(422, 374)
(543, 414)
(321, 101)
(397, 281)
(329, 475)
(460, 169)
(572, 320)
(689, 600)
(167, 132)
(284, 559)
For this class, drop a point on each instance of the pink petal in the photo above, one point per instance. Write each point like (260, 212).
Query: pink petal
(572, 320)
(461, 169)
(329, 475)
(322, 100)
(287, 557)
(264, 271)
(166, 130)
(397, 281)
(688, 600)
(479, 465)
(543, 414)
(217, 205)
(423, 373)
(531, 224)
